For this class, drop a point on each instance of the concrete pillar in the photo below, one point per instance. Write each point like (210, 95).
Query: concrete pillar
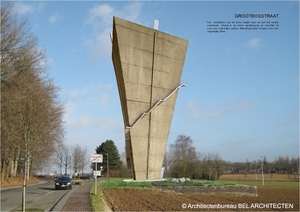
(148, 66)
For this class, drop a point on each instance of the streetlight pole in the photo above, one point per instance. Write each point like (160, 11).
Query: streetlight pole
(107, 165)
(24, 185)
(262, 171)
(96, 179)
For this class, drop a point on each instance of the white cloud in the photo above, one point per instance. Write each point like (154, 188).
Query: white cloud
(92, 131)
(89, 122)
(103, 12)
(53, 18)
(190, 106)
(196, 112)
(101, 18)
(22, 8)
(90, 96)
(91, 88)
(78, 92)
(101, 45)
(40, 5)
(104, 100)
(254, 43)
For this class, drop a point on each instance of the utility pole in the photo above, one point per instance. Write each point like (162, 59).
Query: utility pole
(107, 165)
(24, 186)
(96, 175)
(262, 171)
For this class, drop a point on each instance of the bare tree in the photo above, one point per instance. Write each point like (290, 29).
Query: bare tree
(31, 121)
(84, 159)
(79, 158)
(66, 153)
(212, 166)
(182, 155)
(58, 157)
(19, 48)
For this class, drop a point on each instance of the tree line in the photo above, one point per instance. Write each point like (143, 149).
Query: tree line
(31, 113)
(281, 164)
(72, 159)
(183, 160)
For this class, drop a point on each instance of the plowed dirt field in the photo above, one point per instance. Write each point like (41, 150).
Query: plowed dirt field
(150, 199)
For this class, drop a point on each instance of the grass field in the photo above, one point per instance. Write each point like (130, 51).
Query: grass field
(258, 176)
(281, 180)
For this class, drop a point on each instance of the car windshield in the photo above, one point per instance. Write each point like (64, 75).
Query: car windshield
(64, 179)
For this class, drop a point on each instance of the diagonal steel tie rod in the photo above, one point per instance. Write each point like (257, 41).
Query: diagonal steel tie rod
(154, 106)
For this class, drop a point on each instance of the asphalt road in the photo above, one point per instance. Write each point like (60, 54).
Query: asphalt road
(12, 198)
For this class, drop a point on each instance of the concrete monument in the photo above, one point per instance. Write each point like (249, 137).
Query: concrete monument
(148, 65)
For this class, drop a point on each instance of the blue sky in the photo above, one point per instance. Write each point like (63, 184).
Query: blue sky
(242, 94)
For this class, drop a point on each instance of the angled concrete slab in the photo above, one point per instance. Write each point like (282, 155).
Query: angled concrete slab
(148, 67)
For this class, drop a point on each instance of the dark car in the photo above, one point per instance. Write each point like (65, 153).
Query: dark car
(63, 182)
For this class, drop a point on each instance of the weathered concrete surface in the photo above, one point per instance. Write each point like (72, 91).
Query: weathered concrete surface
(246, 190)
(148, 66)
